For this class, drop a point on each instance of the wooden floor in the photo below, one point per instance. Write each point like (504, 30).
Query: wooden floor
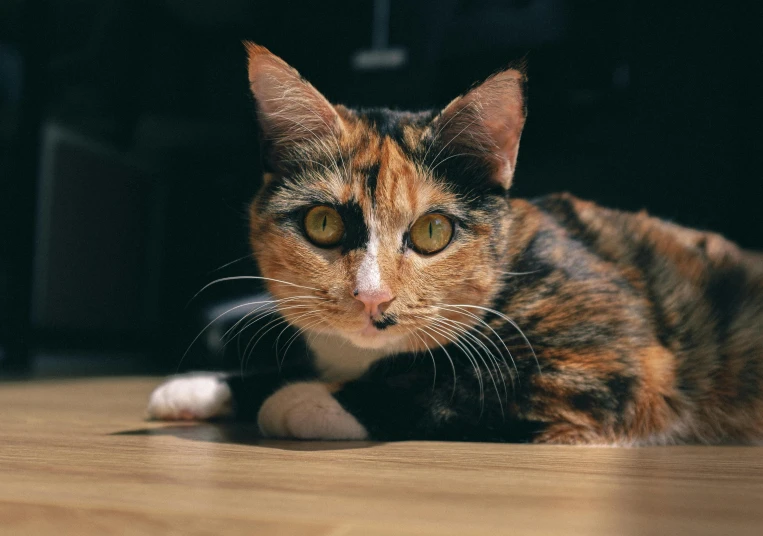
(77, 458)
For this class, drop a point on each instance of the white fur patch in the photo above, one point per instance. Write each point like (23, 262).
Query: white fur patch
(338, 361)
(307, 411)
(369, 277)
(188, 397)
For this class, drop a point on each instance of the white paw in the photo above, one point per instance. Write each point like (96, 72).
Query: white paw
(190, 397)
(307, 411)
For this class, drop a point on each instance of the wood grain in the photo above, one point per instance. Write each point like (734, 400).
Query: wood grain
(76, 457)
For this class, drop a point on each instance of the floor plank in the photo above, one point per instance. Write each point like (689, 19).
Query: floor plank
(76, 456)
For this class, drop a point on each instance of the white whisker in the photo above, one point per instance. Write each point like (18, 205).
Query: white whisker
(466, 328)
(488, 326)
(247, 256)
(452, 364)
(510, 321)
(223, 279)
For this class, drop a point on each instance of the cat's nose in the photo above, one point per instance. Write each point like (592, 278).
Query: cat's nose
(376, 301)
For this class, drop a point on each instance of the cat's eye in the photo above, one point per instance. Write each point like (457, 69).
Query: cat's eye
(324, 226)
(431, 233)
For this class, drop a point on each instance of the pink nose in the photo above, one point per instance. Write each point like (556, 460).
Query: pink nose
(375, 301)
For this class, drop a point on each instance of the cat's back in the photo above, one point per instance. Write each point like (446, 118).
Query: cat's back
(678, 266)
(704, 299)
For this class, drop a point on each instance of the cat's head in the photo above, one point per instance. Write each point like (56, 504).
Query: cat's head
(373, 224)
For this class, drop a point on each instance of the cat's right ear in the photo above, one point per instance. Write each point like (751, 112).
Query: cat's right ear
(292, 114)
(483, 127)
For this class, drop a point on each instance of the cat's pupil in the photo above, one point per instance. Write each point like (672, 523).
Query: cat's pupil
(430, 229)
(324, 222)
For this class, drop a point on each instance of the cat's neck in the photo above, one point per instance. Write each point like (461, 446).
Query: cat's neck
(336, 359)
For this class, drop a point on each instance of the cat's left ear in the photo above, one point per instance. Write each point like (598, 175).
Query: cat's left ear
(486, 124)
(290, 111)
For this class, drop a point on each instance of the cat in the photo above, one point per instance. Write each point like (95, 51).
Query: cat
(434, 306)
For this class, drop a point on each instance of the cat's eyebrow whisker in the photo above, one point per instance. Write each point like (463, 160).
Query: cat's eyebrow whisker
(510, 321)
(324, 166)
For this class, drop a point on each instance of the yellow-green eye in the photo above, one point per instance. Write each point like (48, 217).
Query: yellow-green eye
(324, 226)
(431, 233)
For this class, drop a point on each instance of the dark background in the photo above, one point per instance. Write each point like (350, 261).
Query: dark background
(128, 149)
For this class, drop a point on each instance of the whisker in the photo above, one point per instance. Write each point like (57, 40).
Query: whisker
(267, 313)
(252, 344)
(510, 321)
(274, 303)
(296, 335)
(278, 338)
(434, 362)
(234, 278)
(479, 355)
(205, 328)
(466, 331)
(268, 327)
(519, 273)
(469, 356)
(247, 256)
(452, 364)
(488, 326)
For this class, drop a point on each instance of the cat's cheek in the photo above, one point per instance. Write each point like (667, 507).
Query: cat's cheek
(308, 411)
(191, 397)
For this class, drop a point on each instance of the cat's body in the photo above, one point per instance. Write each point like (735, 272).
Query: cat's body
(554, 320)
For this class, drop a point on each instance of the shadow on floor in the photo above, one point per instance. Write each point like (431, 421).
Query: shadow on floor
(242, 434)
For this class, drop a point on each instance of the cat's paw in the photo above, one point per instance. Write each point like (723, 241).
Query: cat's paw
(190, 397)
(307, 411)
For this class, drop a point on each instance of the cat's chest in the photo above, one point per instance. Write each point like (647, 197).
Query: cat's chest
(337, 360)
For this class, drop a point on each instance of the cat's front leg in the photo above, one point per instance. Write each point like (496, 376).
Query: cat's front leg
(214, 395)
(308, 410)
(196, 396)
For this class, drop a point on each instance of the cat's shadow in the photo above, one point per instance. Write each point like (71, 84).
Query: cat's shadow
(241, 434)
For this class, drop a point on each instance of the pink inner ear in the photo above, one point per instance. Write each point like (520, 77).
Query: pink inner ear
(507, 138)
(288, 107)
(488, 122)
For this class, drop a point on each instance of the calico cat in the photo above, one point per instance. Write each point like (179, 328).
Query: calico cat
(433, 306)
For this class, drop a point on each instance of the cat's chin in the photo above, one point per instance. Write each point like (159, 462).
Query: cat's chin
(372, 339)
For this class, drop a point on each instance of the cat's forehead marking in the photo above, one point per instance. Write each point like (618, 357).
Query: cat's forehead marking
(385, 184)
(379, 176)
